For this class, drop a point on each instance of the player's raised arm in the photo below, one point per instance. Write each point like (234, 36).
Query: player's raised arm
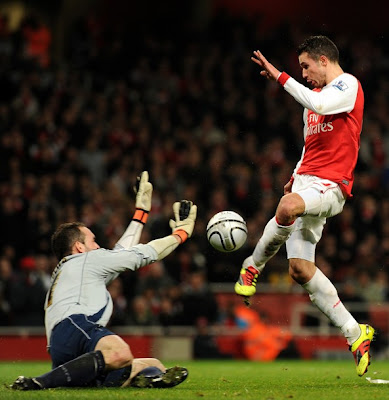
(143, 191)
(269, 70)
(185, 213)
(116, 261)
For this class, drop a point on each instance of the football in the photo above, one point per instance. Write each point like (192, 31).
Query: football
(227, 231)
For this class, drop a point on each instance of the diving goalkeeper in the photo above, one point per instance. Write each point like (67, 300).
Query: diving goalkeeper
(78, 305)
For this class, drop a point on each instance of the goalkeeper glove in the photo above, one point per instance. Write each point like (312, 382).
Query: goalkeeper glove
(185, 213)
(143, 191)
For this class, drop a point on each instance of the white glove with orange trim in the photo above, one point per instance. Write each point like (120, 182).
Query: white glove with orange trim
(185, 213)
(143, 190)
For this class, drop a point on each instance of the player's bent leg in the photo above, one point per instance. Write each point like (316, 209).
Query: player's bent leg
(324, 295)
(290, 207)
(80, 372)
(301, 271)
(361, 348)
(116, 352)
(273, 237)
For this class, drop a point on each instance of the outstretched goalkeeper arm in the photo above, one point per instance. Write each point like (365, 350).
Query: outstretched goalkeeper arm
(182, 226)
(143, 190)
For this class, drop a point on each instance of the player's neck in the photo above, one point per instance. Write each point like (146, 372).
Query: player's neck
(334, 72)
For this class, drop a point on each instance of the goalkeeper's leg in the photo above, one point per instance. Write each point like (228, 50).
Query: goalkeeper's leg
(78, 372)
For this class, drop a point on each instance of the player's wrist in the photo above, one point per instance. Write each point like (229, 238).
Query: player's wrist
(141, 215)
(181, 235)
(282, 78)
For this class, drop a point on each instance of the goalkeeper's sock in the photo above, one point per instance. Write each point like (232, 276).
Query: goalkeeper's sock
(273, 237)
(81, 371)
(325, 297)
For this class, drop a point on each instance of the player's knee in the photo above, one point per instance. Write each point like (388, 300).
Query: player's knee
(294, 271)
(289, 208)
(301, 271)
(125, 357)
(119, 358)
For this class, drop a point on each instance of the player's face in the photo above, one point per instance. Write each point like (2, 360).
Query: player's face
(90, 239)
(314, 71)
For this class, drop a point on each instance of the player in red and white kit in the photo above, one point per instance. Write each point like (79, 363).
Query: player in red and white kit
(319, 186)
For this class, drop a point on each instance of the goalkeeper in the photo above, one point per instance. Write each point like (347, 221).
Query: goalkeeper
(78, 305)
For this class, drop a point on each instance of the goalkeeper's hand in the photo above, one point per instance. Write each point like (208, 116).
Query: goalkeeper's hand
(185, 213)
(143, 191)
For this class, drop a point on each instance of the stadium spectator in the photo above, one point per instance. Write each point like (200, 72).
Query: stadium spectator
(37, 41)
(260, 341)
(141, 313)
(5, 288)
(154, 278)
(171, 308)
(120, 312)
(198, 301)
(30, 290)
(204, 343)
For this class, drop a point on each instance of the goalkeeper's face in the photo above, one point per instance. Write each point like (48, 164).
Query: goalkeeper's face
(89, 242)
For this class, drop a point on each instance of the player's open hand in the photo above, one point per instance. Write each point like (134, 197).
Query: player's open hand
(143, 190)
(185, 213)
(269, 70)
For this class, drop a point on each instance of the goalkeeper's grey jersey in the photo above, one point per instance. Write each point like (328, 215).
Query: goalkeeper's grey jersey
(78, 284)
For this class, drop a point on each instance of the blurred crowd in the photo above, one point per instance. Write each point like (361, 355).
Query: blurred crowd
(193, 110)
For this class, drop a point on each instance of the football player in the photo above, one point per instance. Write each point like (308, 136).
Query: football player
(320, 184)
(78, 305)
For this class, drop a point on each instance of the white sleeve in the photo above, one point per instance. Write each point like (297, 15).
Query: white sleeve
(111, 262)
(164, 246)
(337, 97)
(131, 236)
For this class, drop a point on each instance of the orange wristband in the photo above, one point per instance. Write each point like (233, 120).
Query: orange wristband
(182, 234)
(140, 216)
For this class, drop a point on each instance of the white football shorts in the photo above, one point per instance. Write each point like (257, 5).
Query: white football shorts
(323, 199)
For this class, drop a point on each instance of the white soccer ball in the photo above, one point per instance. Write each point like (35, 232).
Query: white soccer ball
(227, 231)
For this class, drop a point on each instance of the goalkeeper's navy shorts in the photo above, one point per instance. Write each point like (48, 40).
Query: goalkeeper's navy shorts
(74, 336)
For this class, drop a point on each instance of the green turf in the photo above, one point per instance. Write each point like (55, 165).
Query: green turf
(230, 380)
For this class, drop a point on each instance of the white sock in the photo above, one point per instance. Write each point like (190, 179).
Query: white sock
(273, 237)
(325, 297)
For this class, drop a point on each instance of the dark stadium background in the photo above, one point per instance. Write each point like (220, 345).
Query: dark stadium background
(173, 71)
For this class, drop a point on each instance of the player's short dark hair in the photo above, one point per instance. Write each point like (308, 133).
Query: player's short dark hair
(317, 46)
(65, 236)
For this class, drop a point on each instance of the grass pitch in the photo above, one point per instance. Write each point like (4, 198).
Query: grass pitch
(230, 379)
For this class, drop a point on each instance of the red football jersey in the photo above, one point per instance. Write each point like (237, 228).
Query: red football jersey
(333, 119)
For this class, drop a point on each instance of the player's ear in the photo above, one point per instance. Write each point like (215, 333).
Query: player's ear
(323, 60)
(78, 247)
